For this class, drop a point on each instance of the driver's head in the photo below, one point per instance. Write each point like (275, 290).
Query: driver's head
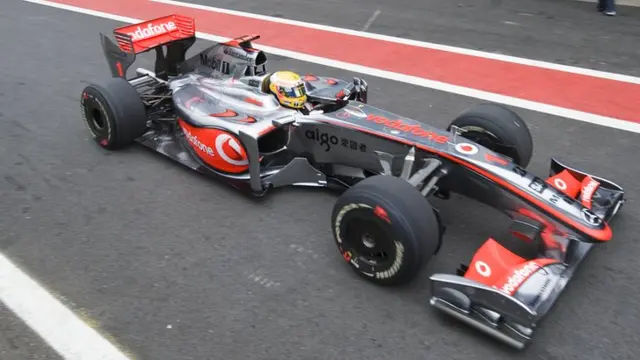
(288, 88)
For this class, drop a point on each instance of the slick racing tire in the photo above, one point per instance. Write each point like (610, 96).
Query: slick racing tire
(113, 113)
(499, 129)
(385, 229)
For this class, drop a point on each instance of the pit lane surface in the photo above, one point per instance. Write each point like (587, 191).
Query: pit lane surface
(560, 31)
(174, 266)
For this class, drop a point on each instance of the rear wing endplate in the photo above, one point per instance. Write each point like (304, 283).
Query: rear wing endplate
(176, 32)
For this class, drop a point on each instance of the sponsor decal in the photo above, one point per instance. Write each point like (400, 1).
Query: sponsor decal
(209, 61)
(328, 141)
(541, 290)
(341, 215)
(466, 149)
(382, 213)
(538, 185)
(120, 69)
(495, 159)
(238, 55)
(152, 30)
(198, 144)
(229, 150)
(483, 269)
(217, 148)
(397, 262)
(565, 182)
(347, 255)
(518, 277)
(588, 191)
(413, 129)
(560, 184)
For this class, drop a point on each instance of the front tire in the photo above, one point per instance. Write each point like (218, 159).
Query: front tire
(113, 113)
(498, 129)
(385, 229)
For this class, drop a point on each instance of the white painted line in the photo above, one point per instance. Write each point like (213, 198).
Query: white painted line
(428, 45)
(371, 20)
(460, 90)
(53, 322)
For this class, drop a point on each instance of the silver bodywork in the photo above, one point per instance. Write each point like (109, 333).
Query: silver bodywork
(352, 140)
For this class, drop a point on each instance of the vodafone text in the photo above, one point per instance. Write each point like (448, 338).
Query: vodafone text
(518, 277)
(197, 143)
(152, 30)
(587, 191)
(414, 129)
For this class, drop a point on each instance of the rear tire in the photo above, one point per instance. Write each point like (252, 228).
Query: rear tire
(113, 113)
(498, 129)
(385, 229)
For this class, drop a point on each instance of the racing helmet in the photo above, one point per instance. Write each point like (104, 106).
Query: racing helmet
(288, 88)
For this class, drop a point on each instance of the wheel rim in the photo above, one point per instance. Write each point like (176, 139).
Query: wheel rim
(97, 119)
(369, 242)
(484, 139)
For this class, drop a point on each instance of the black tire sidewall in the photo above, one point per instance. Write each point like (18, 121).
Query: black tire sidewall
(91, 100)
(504, 124)
(397, 230)
(414, 233)
(123, 111)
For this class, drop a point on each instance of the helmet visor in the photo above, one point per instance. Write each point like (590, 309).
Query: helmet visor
(292, 92)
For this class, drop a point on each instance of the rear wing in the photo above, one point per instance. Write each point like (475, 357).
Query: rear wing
(243, 41)
(175, 32)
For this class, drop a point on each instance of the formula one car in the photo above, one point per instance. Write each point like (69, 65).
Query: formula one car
(213, 112)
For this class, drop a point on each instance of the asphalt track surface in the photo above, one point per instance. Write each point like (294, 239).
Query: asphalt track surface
(18, 342)
(173, 266)
(488, 76)
(559, 31)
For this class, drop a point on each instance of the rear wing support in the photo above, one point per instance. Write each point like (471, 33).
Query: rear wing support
(176, 33)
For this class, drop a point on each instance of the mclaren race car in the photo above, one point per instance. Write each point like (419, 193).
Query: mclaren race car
(214, 113)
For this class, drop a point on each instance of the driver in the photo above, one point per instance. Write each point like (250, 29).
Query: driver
(289, 89)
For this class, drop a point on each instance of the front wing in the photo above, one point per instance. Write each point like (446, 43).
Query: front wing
(505, 295)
